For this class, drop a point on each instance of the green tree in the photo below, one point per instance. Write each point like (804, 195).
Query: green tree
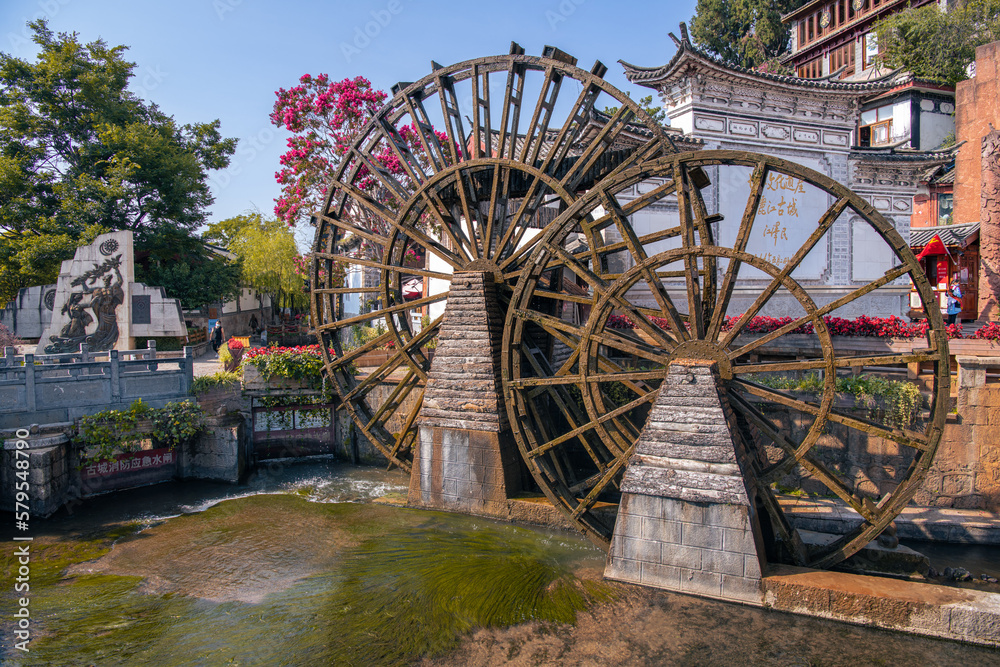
(938, 45)
(744, 33)
(268, 255)
(656, 113)
(224, 232)
(182, 265)
(79, 150)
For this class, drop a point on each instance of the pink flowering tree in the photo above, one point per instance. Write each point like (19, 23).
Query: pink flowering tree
(325, 118)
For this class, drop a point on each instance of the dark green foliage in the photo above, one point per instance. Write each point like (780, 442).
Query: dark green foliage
(106, 434)
(745, 33)
(938, 45)
(186, 269)
(163, 343)
(656, 113)
(206, 383)
(79, 153)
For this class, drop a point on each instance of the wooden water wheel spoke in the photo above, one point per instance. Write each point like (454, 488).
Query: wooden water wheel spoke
(786, 533)
(601, 288)
(638, 253)
(347, 290)
(374, 344)
(614, 414)
(889, 276)
(395, 399)
(609, 475)
(382, 312)
(685, 205)
(899, 359)
(825, 222)
(618, 246)
(362, 199)
(568, 408)
(605, 138)
(903, 437)
(411, 165)
(376, 376)
(481, 113)
(618, 400)
(758, 180)
(539, 124)
(429, 202)
(570, 132)
(802, 457)
(354, 228)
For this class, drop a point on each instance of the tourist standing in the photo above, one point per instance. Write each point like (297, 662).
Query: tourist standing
(217, 336)
(954, 300)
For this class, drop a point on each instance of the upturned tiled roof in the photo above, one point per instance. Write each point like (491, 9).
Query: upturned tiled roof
(689, 55)
(951, 235)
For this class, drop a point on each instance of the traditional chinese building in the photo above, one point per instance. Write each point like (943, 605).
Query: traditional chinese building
(836, 37)
(812, 122)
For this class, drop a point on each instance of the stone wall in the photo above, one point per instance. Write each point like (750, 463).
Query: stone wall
(966, 469)
(221, 453)
(977, 104)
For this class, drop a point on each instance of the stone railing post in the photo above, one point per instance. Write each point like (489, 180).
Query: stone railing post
(9, 359)
(187, 365)
(151, 355)
(29, 381)
(971, 378)
(116, 389)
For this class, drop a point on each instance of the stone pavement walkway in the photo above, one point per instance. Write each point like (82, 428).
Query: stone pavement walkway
(207, 364)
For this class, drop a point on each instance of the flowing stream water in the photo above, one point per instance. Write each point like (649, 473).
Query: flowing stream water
(303, 565)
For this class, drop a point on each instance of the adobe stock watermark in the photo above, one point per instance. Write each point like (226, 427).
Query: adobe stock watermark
(21, 563)
(246, 152)
(21, 43)
(223, 7)
(564, 10)
(363, 35)
(147, 80)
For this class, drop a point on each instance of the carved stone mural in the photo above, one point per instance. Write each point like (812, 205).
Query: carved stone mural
(93, 300)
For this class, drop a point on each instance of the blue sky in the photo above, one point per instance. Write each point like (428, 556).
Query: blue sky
(206, 59)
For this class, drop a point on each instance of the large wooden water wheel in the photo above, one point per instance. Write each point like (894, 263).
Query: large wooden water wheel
(460, 171)
(579, 388)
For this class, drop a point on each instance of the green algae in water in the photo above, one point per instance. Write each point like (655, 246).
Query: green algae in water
(416, 593)
(395, 585)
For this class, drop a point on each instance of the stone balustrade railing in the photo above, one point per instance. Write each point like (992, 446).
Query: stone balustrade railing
(49, 388)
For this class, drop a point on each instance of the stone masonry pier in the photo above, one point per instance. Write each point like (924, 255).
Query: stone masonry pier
(687, 519)
(467, 460)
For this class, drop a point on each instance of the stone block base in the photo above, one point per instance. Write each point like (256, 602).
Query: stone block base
(49, 473)
(705, 549)
(219, 453)
(465, 471)
(924, 609)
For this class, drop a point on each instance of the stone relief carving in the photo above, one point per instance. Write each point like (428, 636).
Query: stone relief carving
(745, 129)
(806, 136)
(711, 124)
(775, 131)
(104, 302)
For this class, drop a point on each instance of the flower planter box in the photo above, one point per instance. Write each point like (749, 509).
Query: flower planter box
(254, 381)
